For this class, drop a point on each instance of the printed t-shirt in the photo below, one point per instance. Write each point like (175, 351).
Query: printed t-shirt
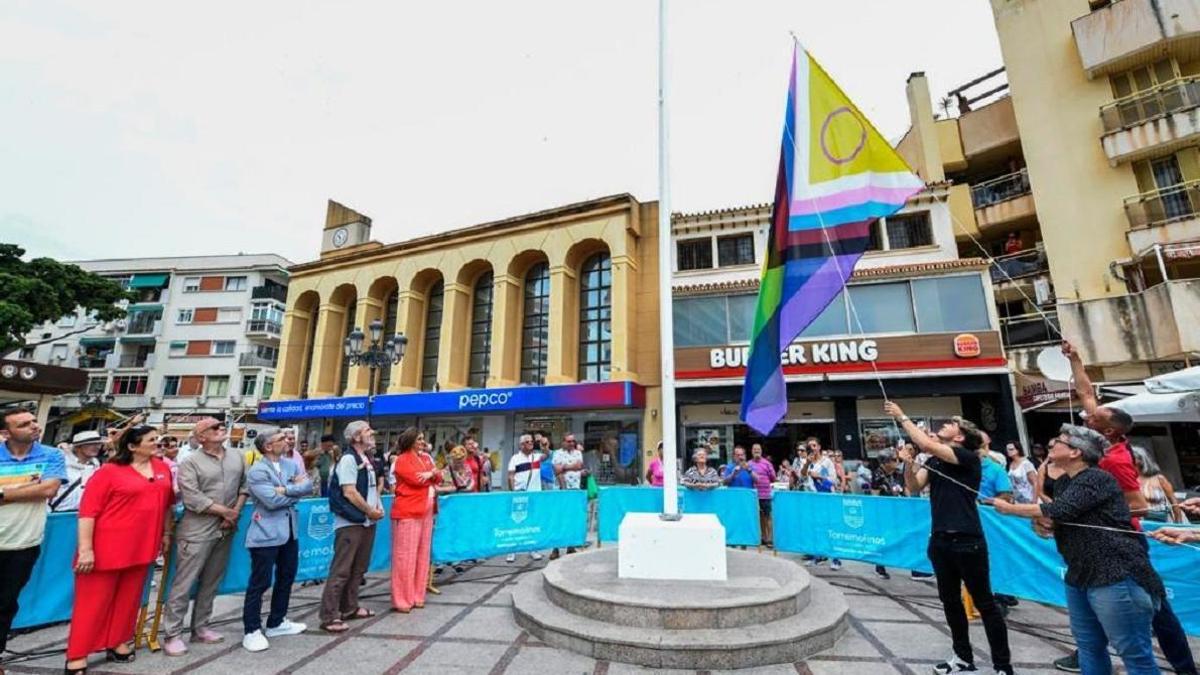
(527, 471)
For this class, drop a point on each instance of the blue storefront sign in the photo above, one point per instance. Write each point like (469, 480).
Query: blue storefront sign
(590, 395)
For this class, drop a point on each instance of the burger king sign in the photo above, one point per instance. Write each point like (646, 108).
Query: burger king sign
(966, 346)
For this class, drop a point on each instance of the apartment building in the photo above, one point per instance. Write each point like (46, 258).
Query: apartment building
(200, 338)
(916, 316)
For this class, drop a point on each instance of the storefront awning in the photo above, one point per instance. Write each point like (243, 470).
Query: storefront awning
(1173, 407)
(586, 396)
(148, 281)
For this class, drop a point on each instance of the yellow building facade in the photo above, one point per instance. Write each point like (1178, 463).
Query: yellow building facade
(539, 308)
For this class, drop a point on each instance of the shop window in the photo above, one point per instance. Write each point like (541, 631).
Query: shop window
(481, 333)
(344, 373)
(612, 451)
(700, 321)
(535, 327)
(735, 250)
(694, 254)
(741, 317)
(391, 307)
(433, 337)
(946, 304)
(831, 321)
(595, 319)
(881, 308)
(884, 433)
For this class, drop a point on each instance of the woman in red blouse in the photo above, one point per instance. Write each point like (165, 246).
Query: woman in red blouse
(412, 521)
(124, 515)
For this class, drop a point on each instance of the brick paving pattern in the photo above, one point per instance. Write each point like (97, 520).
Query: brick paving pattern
(896, 627)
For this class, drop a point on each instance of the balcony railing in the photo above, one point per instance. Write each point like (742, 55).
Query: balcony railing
(93, 361)
(135, 360)
(146, 326)
(252, 360)
(1001, 189)
(263, 326)
(1156, 207)
(1030, 330)
(269, 292)
(1146, 105)
(1022, 264)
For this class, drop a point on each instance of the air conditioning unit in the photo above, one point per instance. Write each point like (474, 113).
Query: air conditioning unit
(120, 324)
(201, 400)
(235, 399)
(155, 402)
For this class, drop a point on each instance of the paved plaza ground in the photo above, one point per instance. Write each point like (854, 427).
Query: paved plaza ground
(895, 627)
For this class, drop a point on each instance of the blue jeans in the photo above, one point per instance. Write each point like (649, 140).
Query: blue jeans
(1118, 614)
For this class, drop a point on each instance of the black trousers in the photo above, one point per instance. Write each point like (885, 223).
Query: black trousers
(282, 560)
(15, 569)
(960, 559)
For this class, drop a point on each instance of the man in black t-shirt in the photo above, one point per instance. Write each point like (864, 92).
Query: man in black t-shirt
(957, 548)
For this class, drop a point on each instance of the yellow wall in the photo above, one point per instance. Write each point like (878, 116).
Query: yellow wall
(1078, 194)
(563, 238)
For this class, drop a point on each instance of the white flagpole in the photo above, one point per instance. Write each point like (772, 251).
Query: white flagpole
(665, 320)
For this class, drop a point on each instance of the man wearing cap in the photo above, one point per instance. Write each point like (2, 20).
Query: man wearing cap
(81, 461)
(212, 486)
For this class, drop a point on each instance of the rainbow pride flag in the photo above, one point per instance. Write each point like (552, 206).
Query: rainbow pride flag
(837, 176)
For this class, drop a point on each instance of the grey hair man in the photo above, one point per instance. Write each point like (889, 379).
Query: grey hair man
(354, 501)
(525, 475)
(212, 485)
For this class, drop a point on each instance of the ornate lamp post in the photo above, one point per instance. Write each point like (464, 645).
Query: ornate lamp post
(374, 356)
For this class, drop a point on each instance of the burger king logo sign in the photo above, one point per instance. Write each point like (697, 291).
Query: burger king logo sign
(966, 346)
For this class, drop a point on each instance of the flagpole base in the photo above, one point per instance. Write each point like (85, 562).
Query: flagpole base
(690, 548)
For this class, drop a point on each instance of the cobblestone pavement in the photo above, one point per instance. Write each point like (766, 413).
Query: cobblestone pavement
(895, 627)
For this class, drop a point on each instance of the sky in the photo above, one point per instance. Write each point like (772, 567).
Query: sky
(136, 129)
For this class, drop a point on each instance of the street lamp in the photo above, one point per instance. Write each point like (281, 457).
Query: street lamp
(375, 355)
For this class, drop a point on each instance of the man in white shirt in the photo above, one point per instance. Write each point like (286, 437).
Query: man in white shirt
(81, 461)
(525, 475)
(568, 469)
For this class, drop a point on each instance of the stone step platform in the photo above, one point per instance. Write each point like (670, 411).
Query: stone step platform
(769, 611)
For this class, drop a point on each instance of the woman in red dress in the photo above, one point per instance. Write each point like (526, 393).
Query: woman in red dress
(124, 515)
(412, 521)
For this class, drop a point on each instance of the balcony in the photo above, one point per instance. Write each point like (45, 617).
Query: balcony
(263, 327)
(1157, 324)
(1004, 201)
(1162, 216)
(269, 292)
(1132, 33)
(1029, 330)
(140, 361)
(144, 327)
(253, 360)
(100, 361)
(1152, 122)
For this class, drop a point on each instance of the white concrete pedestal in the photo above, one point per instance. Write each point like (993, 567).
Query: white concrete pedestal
(689, 549)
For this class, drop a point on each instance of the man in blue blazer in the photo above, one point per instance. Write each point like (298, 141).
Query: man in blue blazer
(276, 484)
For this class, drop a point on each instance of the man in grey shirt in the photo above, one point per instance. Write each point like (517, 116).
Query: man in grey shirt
(212, 485)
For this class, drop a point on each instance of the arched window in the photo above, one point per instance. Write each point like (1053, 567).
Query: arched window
(481, 333)
(389, 329)
(433, 338)
(535, 328)
(351, 317)
(595, 319)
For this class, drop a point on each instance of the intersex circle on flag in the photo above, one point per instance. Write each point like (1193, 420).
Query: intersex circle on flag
(844, 128)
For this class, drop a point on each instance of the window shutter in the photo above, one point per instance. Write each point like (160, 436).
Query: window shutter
(212, 283)
(191, 385)
(199, 347)
(204, 315)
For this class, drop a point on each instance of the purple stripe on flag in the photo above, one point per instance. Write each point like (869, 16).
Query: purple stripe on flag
(814, 295)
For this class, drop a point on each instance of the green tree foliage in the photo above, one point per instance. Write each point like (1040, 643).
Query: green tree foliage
(39, 290)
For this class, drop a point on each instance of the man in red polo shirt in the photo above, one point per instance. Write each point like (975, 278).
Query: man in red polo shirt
(1115, 424)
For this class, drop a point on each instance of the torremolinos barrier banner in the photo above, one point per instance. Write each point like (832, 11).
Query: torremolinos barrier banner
(467, 526)
(498, 523)
(894, 532)
(736, 508)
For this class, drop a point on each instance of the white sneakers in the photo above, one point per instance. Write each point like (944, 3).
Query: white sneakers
(535, 555)
(511, 557)
(286, 627)
(954, 665)
(257, 641)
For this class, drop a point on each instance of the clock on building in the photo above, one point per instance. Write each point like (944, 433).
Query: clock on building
(340, 236)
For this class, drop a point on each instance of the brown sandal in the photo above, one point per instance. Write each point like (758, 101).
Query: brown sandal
(360, 613)
(337, 626)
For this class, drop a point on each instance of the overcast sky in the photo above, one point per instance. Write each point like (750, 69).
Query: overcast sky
(142, 129)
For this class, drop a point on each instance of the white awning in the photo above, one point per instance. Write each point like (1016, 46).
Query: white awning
(1181, 406)
(1187, 379)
